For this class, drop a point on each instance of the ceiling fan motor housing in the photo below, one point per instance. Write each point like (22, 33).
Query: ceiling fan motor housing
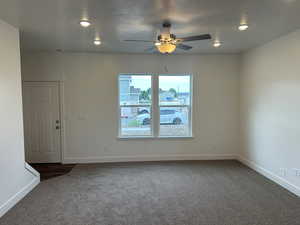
(166, 24)
(166, 37)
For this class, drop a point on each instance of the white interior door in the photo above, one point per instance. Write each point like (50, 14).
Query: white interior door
(42, 131)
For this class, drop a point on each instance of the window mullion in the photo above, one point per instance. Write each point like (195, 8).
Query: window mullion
(129, 106)
(174, 106)
(155, 106)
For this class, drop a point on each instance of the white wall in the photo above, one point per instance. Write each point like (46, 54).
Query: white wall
(15, 180)
(270, 109)
(90, 97)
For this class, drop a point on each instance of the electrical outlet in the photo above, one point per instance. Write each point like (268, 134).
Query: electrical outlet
(283, 172)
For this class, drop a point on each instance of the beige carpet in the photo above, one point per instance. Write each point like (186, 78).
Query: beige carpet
(158, 193)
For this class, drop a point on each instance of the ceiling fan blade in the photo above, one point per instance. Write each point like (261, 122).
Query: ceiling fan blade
(184, 47)
(138, 41)
(196, 38)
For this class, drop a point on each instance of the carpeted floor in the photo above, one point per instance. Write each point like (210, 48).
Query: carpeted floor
(158, 193)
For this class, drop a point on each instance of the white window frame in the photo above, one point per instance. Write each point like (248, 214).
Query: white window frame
(155, 106)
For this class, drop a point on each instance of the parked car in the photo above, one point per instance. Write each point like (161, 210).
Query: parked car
(167, 116)
(143, 110)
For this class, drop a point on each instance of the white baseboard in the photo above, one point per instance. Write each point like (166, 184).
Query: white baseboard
(31, 170)
(270, 175)
(144, 158)
(18, 196)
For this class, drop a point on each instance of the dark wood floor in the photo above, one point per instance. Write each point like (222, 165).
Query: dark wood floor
(50, 170)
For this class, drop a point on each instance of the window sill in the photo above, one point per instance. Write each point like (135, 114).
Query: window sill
(152, 137)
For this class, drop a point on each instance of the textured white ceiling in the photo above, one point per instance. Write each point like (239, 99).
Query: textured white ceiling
(53, 24)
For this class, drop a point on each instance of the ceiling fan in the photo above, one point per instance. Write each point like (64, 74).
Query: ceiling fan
(167, 43)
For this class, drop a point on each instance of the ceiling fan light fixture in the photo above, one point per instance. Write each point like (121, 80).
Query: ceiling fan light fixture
(166, 48)
(85, 23)
(243, 27)
(217, 44)
(97, 42)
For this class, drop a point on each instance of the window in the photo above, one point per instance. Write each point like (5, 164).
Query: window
(135, 99)
(174, 105)
(155, 105)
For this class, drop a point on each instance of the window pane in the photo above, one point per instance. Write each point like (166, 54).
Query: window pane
(174, 90)
(135, 89)
(135, 121)
(174, 121)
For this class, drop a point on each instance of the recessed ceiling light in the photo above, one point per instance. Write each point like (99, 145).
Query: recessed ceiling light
(84, 23)
(217, 44)
(97, 42)
(243, 27)
(157, 43)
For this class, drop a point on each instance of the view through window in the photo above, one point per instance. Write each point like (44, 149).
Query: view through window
(174, 105)
(137, 94)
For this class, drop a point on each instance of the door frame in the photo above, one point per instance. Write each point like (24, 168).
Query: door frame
(61, 113)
